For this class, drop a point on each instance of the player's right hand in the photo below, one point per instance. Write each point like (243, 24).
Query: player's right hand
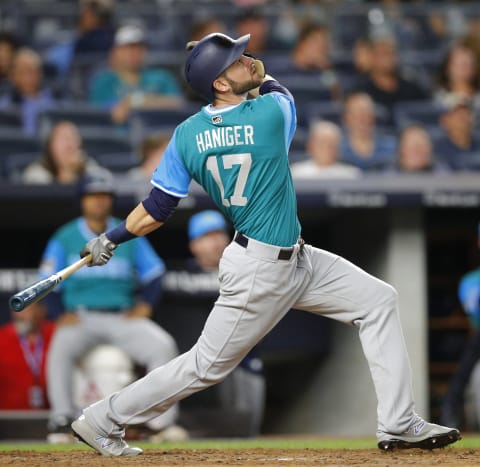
(101, 249)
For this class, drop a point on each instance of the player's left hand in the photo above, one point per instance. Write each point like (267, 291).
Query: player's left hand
(101, 249)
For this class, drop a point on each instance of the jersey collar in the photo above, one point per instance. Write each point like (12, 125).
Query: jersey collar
(87, 233)
(211, 111)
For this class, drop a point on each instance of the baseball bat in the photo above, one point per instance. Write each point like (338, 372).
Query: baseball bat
(39, 289)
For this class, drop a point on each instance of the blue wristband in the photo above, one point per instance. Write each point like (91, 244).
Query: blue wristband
(120, 234)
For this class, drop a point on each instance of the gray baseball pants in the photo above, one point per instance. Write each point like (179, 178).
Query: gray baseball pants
(140, 338)
(256, 291)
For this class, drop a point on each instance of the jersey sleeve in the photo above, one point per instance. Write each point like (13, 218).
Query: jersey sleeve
(171, 176)
(148, 264)
(287, 106)
(53, 259)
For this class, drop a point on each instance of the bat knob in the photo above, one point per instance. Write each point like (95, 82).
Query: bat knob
(16, 303)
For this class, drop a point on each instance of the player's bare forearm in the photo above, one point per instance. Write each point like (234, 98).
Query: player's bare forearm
(139, 222)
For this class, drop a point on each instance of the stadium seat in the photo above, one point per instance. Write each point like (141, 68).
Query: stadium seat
(426, 113)
(97, 143)
(14, 164)
(10, 118)
(118, 162)
(15, 142)
(82, 115)
(143, 122)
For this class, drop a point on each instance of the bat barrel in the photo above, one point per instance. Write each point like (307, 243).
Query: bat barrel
(17, 302)
(34, 293)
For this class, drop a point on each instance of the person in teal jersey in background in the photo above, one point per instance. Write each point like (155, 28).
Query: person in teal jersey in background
(237, 149)
(128, 83)
(111, 305)
(453, 406)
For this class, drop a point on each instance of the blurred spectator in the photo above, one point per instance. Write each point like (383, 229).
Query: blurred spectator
(206, 26)
(323, 150)
(458, 140)
(27, 92)
(415, 151)
(459, 74)
(94, 34)
(190, 292)
(9, 45)
(385, 83)
(362, 57)
(471, 37)
(63, 159)
(362, 144)
(310, 58)
(254, 22)
(469, 295)
(112, 305)
(95, 27)
(23, 349)
(128, 84)
(150, 152)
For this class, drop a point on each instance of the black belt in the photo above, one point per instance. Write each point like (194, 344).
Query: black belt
(284, 253)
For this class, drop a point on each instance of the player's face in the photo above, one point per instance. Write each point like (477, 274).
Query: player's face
(97, 206)
(208, 248)
(242, 75)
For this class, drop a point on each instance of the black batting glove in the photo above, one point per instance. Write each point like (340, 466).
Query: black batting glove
(101, 249)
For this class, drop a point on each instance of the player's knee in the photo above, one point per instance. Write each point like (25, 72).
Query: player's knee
(210, 372)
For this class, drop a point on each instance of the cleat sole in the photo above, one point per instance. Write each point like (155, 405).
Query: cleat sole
(433, 442)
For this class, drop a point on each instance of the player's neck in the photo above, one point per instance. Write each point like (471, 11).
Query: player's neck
(96, 226)
(228, 100)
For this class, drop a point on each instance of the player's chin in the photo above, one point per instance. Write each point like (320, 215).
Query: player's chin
(255, 82)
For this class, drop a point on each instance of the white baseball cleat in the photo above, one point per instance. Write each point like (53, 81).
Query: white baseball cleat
(421, 434)
(106, 446)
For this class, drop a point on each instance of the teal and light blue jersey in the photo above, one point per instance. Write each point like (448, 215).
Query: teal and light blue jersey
(239, 154)
(111, 287)
(469, 295)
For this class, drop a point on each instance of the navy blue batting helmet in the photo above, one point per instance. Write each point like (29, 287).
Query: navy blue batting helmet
(209, 58)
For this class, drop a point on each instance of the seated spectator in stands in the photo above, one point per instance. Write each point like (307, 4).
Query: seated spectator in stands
(203, 27)
(24, 342)
(459, 74)
(362, 144)
(384, 83)
(471, 38)
(150, 152)
(415, 151)
(94, 35)
(95, 27)
(323, 150)
(252, 21)
(458, 140)
(9, 45)
(310, 57)
(27, 92)
(63, 160)
(129, 84)
(362, 57)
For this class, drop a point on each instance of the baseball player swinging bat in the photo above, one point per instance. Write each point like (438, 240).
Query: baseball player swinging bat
(39, 289)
